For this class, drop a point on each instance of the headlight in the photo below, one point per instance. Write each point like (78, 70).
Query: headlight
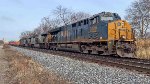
(123, 37)
(101, 37)
(119, 24)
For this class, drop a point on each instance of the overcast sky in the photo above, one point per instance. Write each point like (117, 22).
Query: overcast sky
(17, 16)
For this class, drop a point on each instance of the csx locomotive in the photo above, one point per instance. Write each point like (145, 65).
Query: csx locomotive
(104, 33)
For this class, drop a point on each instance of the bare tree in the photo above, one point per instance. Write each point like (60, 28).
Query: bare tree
(79, 16)
(45, 24)
(67, 16)
(37, 31)
(139, 16)
(25, 34)
(63, 14)
(54, 23)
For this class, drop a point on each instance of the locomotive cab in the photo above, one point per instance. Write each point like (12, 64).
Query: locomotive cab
(113, 34)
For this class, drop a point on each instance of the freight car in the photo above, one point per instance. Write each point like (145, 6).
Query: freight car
(14, 43)
(104, 33)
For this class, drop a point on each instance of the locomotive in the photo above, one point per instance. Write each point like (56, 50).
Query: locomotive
(104, 33)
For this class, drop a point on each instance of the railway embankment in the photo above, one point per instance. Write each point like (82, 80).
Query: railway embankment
(83, 72)
(3, 66)
(16, 68)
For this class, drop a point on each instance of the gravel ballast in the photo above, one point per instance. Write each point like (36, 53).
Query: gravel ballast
(81, 72)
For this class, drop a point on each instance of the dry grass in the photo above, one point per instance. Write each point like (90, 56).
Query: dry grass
(22, 70)
(143, 49)
(5, 46)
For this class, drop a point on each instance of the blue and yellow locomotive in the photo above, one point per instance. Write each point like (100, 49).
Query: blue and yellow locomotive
(104, 33)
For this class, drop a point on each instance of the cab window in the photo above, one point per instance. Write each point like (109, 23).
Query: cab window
(86, 22)
(94, 20)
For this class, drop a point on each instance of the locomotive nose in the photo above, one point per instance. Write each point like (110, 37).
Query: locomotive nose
(119, 30)
(122, 30)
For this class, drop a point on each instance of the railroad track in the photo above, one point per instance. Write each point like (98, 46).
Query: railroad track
(139, 65)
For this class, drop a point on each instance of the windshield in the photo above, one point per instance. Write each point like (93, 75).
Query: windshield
(106, 18)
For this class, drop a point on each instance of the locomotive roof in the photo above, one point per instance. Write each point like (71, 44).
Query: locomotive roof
(59, 28)
(44, 33)
(55, 30)
(101, 14)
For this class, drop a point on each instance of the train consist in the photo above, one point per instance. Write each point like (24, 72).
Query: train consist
(104, 33)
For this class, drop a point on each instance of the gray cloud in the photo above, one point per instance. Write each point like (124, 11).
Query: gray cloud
(6, 18)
